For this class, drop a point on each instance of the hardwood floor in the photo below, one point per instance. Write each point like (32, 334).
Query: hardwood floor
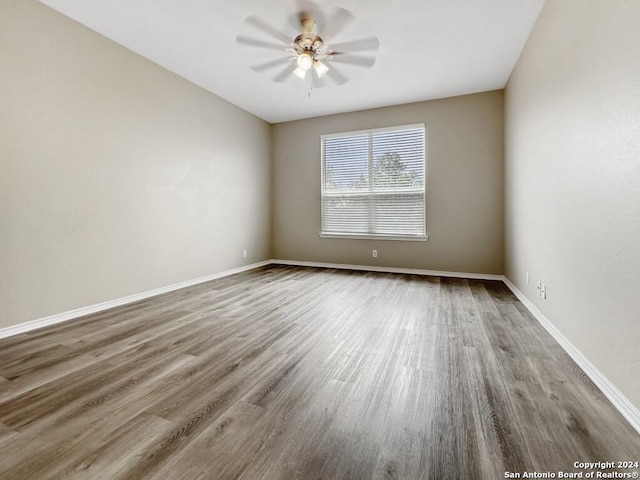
(292, 372)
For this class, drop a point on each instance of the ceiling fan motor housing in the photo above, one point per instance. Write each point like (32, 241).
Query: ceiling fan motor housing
(308, 40)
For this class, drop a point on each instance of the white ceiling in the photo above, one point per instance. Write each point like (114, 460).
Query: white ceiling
(428, 48)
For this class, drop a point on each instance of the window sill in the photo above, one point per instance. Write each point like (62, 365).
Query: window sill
(356, 236)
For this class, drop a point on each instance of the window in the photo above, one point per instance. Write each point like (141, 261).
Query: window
(373, 184)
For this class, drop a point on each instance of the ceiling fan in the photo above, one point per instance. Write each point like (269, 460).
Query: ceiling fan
(306, 53)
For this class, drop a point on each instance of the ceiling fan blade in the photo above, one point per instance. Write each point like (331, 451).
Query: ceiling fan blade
(369, 43)
(264, 27)
(254, 42)
(283, 75)
(336, 23)
(317, 82)
(335, 75)
(356, 60)
(261, 67)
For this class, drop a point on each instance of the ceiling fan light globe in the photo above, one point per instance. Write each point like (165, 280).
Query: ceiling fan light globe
(320, 68)
(305, 61)
(300, 73)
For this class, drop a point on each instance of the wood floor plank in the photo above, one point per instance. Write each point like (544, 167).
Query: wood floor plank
(123, 447)
(57, 441)
(298, 372)
(229, 437)
(6, 432)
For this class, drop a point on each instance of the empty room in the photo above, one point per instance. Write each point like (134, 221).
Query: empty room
(334, 240)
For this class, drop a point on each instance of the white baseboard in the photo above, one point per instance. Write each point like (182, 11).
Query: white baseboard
(619, 401)
(411, 271)
(81, 312)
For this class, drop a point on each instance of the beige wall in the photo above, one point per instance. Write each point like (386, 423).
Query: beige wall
(572, 130)
(116, 176)
(464, 187)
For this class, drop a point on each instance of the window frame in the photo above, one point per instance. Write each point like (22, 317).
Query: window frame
(374, 236)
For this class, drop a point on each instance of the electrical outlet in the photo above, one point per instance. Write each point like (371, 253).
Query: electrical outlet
(543, 291)
(374, 253)
(244, 254)
(527, 278)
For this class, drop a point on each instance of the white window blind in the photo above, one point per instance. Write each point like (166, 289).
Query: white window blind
(373, 183)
